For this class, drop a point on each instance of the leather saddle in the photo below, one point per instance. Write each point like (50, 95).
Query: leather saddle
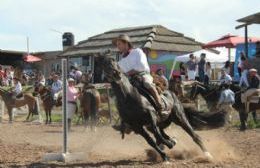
(146, 93)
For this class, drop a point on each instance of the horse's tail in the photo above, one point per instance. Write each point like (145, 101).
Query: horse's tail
(200, 119)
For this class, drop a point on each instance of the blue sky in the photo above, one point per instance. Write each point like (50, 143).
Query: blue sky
(204, 20)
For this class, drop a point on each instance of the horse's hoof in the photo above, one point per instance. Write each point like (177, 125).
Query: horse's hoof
(208, 156)
(242, 128)
(173, 140)
(161, 146)
(166, 159)
(167, 162)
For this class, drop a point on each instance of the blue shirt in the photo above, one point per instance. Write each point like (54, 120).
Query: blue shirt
(227, 96)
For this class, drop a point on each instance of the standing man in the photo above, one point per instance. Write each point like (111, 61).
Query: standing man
(134, 62)
(201, 67)
(72, 94)
(191, 67)
(225, 78)
(160, 73)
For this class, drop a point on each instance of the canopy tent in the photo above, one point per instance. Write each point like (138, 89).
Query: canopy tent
(31, 58)
(211, 56)
(229, 41)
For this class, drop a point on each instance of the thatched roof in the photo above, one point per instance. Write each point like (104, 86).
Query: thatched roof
(155, 37)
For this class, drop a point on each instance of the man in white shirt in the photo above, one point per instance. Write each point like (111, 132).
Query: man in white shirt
(17, 91)
(134, 62)
(56, 88)
(225, 78)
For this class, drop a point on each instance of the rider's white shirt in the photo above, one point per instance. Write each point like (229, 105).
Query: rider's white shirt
(136, 60)
(56, 86)
(18, 88)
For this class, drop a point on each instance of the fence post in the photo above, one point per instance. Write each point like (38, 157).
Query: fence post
(2, 110)
(64, 106)
(109, 105)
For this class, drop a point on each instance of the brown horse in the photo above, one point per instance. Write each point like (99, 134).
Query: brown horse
(28, 100)
(48, 103)
(89, 102)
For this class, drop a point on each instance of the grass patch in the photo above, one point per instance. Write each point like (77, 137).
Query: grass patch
(250, 124)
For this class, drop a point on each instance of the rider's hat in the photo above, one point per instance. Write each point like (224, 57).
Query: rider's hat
(252, 70)
(122, 37)
(71, 80)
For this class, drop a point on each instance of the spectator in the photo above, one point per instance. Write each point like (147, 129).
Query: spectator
(244, 71)
(160, 73)
(78, 75)
(182, 71)
(191, 67)
(72, 94)
(72, 72)
(226, 100)
(227, 67)
(207, 73)
(202, 67)
(225, 78)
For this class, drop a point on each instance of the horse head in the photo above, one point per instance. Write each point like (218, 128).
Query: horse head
(111, 69)
(197, 89)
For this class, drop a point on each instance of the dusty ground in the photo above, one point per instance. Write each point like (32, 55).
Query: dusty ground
(23, 145)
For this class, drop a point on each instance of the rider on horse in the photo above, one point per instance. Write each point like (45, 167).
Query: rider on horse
(56, 88)
(134, 63)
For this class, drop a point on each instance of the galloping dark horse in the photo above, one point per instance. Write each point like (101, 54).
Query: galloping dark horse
(211, 95)
(89, 102)
(46, 97)
(137, 112)
(28, 100)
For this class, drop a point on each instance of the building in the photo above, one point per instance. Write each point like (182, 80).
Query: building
(50, 62)
(160, 44)
(11, 58)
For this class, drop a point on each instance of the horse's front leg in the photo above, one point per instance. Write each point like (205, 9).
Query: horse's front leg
(28, 116)
(10, 114)
(151, 142)
(172, 140)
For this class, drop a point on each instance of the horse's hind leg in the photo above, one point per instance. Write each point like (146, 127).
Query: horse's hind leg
(151, 142)
(46, 114)
(50, 117)
(181, 120)
(254, 115)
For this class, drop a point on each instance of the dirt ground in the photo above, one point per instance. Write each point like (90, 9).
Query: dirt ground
(23, 144)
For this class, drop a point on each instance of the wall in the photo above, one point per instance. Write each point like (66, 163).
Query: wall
(163, 60)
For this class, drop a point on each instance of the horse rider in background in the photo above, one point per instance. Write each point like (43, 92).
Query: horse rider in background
(134, 63)
(16, 91)
(252, 86)
(56, 88)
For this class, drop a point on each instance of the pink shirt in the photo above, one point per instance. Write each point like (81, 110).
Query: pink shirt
(72, 94)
